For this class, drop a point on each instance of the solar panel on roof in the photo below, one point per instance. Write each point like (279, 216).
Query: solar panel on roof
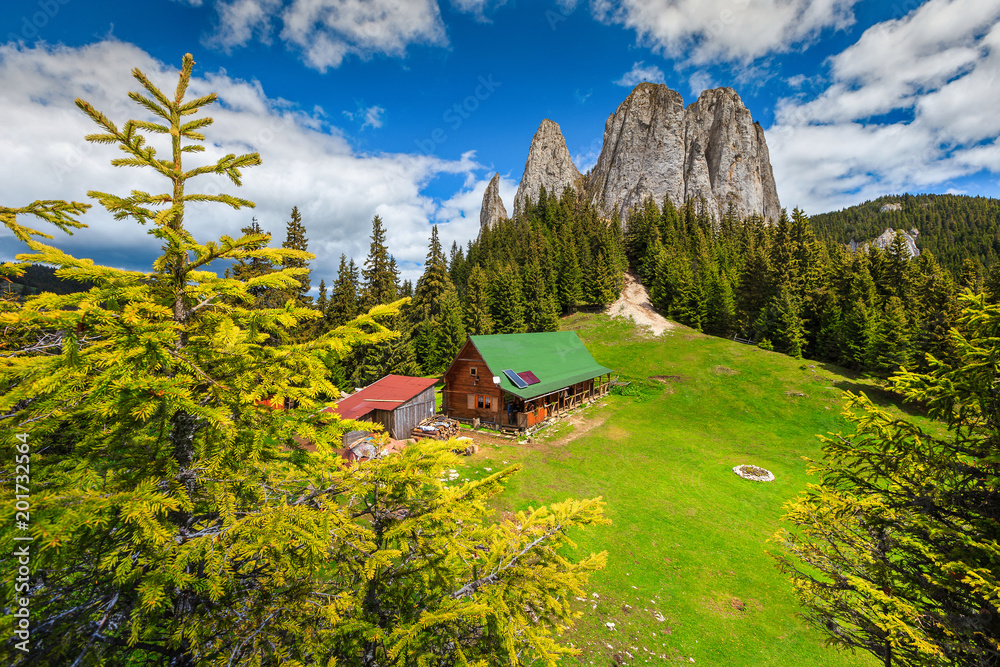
(515, 378)
(529, 377)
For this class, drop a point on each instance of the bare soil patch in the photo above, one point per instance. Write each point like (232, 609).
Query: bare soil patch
(582, 421)
(668, 378)
(725, 370)
(634, 303)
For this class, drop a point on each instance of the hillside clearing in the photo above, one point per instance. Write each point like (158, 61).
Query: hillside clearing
(689, 573)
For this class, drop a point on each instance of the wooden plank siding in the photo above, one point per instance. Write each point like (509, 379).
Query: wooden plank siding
(461, 384)
(399, 422)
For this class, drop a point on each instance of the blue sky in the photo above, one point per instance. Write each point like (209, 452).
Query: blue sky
(405, 109)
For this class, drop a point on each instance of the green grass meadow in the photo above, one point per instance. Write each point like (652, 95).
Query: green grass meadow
(689, 538)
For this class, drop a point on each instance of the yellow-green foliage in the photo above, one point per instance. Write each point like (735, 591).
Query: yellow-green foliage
(895, 551)
(174, 519)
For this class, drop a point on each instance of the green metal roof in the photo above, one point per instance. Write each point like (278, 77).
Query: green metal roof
(557, 358)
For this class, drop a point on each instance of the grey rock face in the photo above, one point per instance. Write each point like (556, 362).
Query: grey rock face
(654, 147)
(643, 153)
(888, 236)
(549, 164)
(493, 211)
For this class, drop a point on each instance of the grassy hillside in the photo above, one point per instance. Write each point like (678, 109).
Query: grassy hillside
(689, 538)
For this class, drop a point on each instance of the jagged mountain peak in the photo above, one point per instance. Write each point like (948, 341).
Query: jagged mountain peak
(711, 151)
(549, 165)
(493, 211)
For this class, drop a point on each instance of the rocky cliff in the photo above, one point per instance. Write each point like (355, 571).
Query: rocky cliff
(888, 236)
(549, 164)
(493, 210)
(654, 147)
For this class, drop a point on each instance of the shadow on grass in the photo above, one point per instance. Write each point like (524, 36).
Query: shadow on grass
(857, 383)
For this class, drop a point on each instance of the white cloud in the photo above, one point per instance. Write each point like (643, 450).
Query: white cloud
(641, 72)
(306, 162)
(700, 81)
(327, 30)
(910, 105)
(478, 8)
(704, 31)
(373, 117)
(241, 21)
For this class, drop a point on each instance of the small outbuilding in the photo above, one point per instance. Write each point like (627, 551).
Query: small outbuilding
(519, 380)
(398, 402)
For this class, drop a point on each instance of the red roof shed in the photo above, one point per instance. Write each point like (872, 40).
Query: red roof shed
(398, 402)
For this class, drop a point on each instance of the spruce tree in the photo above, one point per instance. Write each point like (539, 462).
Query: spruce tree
(295, 239)
(603, 283)
(506, 301)
(569, 278)
(898, 275)
(478, 321)
(754, 290)
(894, 551)
(435, 313)
(180, 524)
(248, 268)
(159, 525)
(937, 311)
(343, 306)
(720, 313)
(891, 344)
(379, 274)
(323, 301)
(541, 310)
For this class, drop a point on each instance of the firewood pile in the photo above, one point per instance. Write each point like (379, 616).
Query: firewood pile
(437, 427)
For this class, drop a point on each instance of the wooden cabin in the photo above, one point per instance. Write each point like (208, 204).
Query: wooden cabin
(398, 402)
(515, 381)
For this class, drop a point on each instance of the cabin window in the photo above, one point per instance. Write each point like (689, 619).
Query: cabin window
(484, 402)
(472, 370)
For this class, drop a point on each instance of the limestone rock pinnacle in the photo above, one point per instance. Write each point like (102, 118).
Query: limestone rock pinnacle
(493, 211)
(654, 147)
(549, 165)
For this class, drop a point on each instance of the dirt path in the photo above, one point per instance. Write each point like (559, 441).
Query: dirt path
(634, 302)
(582, 421)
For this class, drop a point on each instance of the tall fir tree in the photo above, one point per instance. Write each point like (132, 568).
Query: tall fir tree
(379, 274)
(891, 344)
(894, 552)
(506, 300)
(247, 268)
(435, 313)
(603, 281)
(541, 312)
(295, 239)
(720, 314)
(478, 321)
(344, 299)
(569, 278)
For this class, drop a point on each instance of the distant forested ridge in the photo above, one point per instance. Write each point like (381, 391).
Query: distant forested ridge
(953, 227)
(37, 279)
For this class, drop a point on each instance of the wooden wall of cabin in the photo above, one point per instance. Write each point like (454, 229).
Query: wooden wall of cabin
(401, 421)
(460, 382)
